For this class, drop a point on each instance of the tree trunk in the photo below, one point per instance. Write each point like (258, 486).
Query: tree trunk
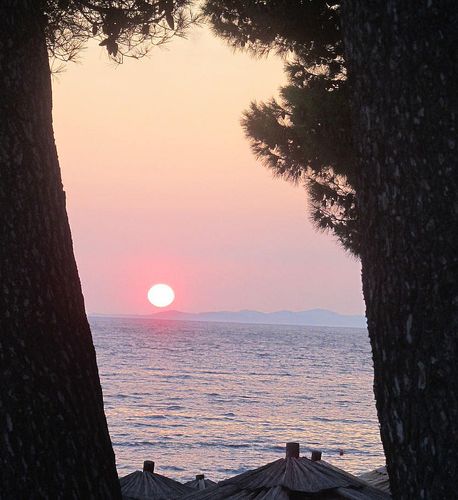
(54, 440)
(402, 65)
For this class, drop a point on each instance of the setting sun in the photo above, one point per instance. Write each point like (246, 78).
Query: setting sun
(161, 295)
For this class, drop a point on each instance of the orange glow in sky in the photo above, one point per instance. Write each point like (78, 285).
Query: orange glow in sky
(162, 187)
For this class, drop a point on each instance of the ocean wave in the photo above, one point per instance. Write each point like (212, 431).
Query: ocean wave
(231, 404)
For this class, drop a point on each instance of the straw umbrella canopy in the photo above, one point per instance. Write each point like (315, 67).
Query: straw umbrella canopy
(200, 483)
(378, 478)
(147, 485)
(292, 477)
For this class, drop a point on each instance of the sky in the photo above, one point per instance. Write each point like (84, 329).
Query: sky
(162, 187)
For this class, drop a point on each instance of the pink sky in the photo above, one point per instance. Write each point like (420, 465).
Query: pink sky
(162, 187)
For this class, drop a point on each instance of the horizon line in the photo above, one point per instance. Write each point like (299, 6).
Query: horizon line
(169, 310)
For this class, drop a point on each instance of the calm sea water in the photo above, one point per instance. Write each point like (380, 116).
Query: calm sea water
(221, 398)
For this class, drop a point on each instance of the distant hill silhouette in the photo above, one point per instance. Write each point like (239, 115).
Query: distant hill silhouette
(311, 317)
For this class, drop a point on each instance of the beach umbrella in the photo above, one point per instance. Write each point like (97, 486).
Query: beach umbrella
(378, 478)
(200, 483)
(292, 477)
(147, 485)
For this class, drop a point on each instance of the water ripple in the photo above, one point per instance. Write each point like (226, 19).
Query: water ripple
(223, 398)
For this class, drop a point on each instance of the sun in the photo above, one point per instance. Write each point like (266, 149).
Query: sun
(161, 295)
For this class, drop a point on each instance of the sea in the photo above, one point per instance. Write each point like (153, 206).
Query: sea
(223, 398)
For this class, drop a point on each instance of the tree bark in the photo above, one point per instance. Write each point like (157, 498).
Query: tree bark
(402, 65)
(54, 440)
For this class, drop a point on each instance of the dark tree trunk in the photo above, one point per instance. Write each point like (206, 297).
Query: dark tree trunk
(54, 440)
(402, 66)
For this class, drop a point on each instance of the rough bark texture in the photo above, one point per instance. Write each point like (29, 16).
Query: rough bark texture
(54, 440)
(401, 56)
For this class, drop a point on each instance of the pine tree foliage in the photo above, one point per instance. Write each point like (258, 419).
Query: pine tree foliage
(304, 26)
(305, 135)
(306, 138)
(126, 28)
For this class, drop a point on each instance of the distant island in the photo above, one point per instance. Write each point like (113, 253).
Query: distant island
(311, 317)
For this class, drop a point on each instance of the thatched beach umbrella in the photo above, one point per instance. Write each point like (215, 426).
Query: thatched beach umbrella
(293, 477)
(200, 483)
(147, 485)
(378, 478)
